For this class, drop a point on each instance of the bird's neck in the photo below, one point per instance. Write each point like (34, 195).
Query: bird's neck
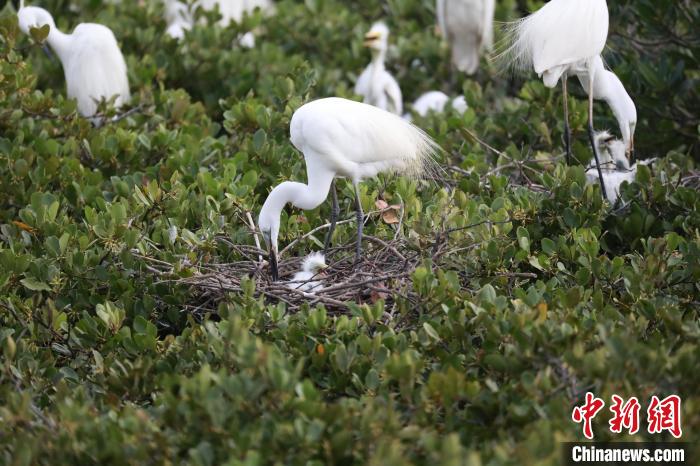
(378, 58)
(59, 42)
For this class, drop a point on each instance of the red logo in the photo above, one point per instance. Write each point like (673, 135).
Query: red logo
(587, 412)
(662, 415)
(665, 415)
(625, 415)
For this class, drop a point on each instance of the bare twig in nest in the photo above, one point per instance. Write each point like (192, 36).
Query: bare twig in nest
(254, 229)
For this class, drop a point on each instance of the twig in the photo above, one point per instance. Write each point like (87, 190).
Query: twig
(255, 234)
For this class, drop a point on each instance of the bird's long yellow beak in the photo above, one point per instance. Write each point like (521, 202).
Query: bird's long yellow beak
(371, 37)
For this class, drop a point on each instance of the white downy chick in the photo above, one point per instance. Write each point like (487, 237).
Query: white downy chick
(310, 269)
(613, 163)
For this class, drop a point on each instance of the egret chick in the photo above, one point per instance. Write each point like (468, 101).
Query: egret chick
(436, 101)
(562, 37)
(92, 62)
(312, 266)
(343, 138)
(467, 26)
(376, 85)
(614, 165)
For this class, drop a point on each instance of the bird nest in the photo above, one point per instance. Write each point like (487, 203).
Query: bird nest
(382, 273)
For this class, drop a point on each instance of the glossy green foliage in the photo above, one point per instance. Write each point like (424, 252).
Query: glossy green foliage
(545, 292)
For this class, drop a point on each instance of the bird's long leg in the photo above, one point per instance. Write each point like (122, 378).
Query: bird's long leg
(632, 155)
(591, 133)
(335, 210)
(360, 223)
(567, 128)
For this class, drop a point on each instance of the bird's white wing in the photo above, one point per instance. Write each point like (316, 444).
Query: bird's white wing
(347, 135)
(95, 68)
(562, 32)
(393, 94)
(464, 30)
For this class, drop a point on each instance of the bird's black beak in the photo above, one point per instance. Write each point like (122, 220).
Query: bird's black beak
(272, 258)
(47, 51)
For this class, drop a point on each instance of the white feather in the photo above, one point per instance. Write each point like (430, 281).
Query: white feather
(467, 25)
(561, 34)
(310, 269)
(93, 64)
(435, 101)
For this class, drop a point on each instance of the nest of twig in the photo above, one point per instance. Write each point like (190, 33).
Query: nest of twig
(382, 273)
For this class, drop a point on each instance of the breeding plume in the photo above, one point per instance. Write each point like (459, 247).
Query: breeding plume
(309, 278)
(436, 101)
(92, 63)
(563, 37)
(467, 26)
(376, 85)
(343, 138)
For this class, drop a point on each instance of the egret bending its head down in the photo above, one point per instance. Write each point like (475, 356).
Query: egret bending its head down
(376, 85)
(608, 87)
(467, 26)
(561, 37)
(343, 138)
(92, 63)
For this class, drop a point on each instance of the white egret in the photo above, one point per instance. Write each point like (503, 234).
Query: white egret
(562, 37)
(376, 85)
(179, 19)
(343, 138)
(436, 101)
(467, 26)
(308, 279)
(608, 87)
(92, 62)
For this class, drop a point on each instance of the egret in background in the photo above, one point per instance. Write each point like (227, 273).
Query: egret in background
(563, 37)
(436, 101)
(93, 65)
(467, 26)
(376, 85)
(308, 279)
(343, 138)
(178, 18)
(608, 87)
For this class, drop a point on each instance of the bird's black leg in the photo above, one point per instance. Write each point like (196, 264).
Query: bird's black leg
(567, 128)
(335, 210)
(360, 223)
(632, 154)
(591, 133)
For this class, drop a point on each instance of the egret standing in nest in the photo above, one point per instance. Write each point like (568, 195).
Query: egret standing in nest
(343, 138)
(376, 85)
(308, 279)
(562, 37)
(92, 62)
(467, 26)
